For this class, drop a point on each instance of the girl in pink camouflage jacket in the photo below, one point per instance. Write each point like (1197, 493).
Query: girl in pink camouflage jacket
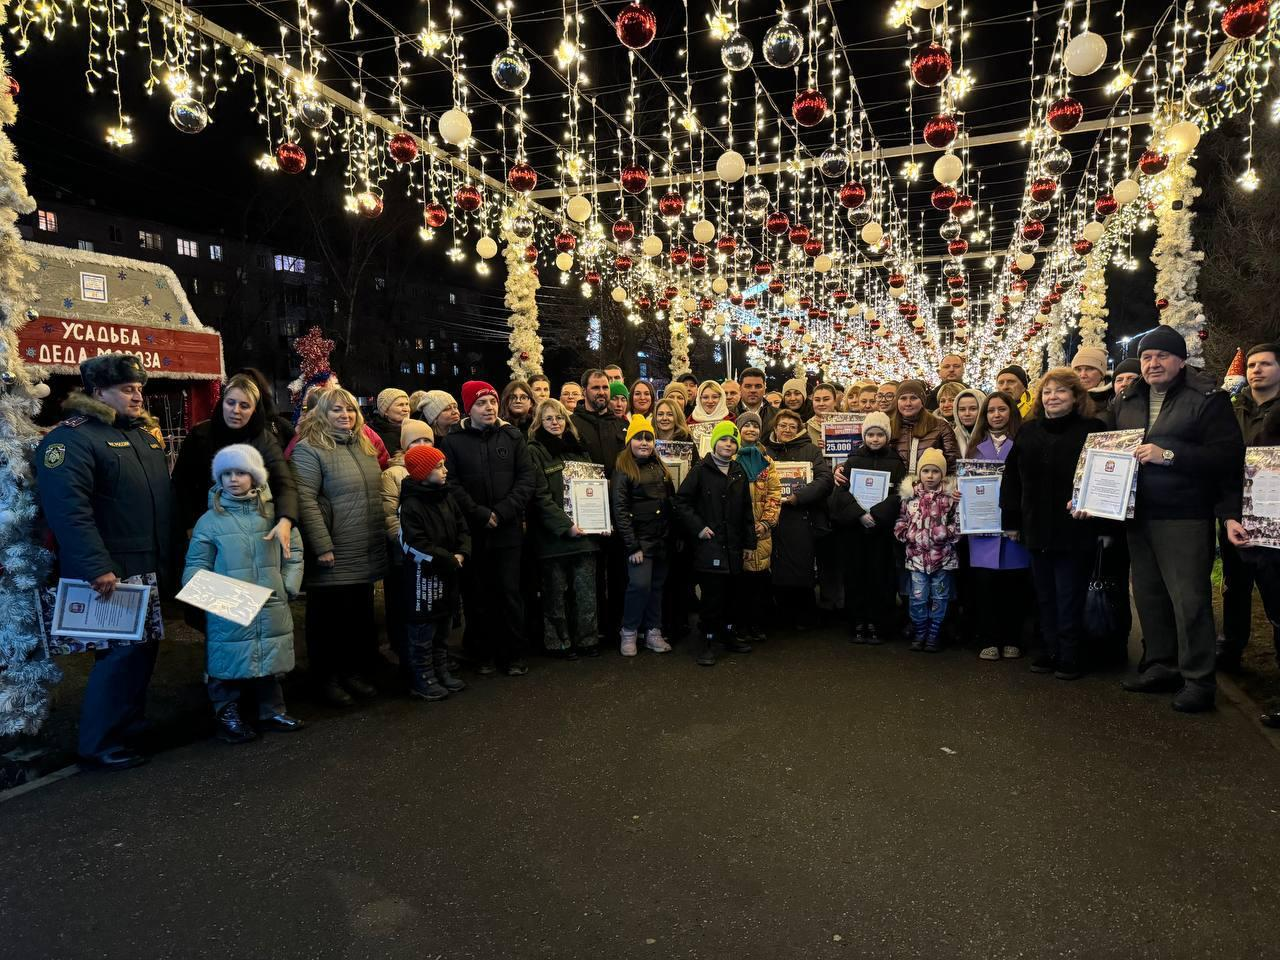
(927, 525)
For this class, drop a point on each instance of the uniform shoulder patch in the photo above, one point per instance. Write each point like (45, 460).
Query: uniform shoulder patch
(55, 454)
(117, 443)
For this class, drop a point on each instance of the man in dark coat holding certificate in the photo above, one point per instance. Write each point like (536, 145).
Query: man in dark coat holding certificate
(104, 486)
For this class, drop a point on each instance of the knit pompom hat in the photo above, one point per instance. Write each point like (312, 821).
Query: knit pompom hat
(639, 424)
(412, 430)
(725, 428)
(242, 457)
(876, 421)
(930, 458)
(389, 396)
(434, 403)
(421, 461)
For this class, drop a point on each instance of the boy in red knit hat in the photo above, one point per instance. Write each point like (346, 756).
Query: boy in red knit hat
(436, 544)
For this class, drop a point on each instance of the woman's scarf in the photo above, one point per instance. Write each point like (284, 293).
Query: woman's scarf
(721, 411)
(221, 435)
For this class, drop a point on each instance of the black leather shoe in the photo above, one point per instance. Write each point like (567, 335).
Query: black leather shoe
(735, 645)
(516, 668)
(282, 723)
(591, 651)
(1152, 683)
(1193, 699)
(117, 758)
(359, 686)
(332, 693)
(231, 726)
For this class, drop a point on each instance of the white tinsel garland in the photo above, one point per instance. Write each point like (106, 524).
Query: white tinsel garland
(522, 300)
(1093, 305)
(26, 672)
(679, 347)
(1176, 260)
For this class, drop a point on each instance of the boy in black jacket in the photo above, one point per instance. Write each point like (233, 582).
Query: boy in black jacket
(436, 543)
(871, 580)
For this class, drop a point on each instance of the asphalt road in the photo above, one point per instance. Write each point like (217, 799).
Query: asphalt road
(810, 800)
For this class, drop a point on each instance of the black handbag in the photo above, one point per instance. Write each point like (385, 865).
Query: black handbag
(1099, 609)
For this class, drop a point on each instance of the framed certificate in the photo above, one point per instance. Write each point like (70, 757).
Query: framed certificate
(1117, 441)
(578, 470)
(677, 456)
(793, 475)
(590, 499)
(869, 487)
(1261, 514)
(79, 612)
(979, 504)
(1106, 487)
(841, 434)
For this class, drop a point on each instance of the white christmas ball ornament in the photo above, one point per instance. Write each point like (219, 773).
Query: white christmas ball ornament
(564, 261)
(579, 209)
(618, 294)
(730, 166)
(455, 127)
(1126, 191)
(1025, 261)
(1015, 296)
(719, 285)
(487, 247)
(688, 305)
(1085, 54)
(822, 263)
(899, 292)
(704, 231)
(651, 246)
(872, 233)
(869, 314)
(1093, 231)
(1182, 137)
(948, 168)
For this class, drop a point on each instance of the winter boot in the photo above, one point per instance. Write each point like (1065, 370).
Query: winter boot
(628, 644)
(873, 638)
(734, 643)
(933, 639)
(655, 641)
(707, 653)
(919, 637)
(231, 726)
(440, 657)
(858, 634)
(422, 680)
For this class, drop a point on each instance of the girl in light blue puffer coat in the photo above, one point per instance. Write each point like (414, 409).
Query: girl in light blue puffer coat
(233, 539)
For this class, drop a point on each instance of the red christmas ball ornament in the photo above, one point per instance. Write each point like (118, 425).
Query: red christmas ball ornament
(874, 324)
(531, 254)
(813, 314)
(706, 303)
(12, 87)
(941, 130)
(930, 64)
(1045, 309)
(524, 354)
(956, 282)
(622, 263)
(593, 277)
(798, 234)
(435, 214)
(1033, 230)
(565, 242)
(634, 178)
(369, 204)
(726, 245)
(1083, 246)
(963, 205)
(670, 293)
(735, 299)
(1203, 335)
(809, 107)
(1245, 18)
(636, 26)
(698, 261)
(750, 303)
(1152, 163)
(958, 247)
(643, 302)
(1043, 189)
(695, 321)
(812, 246)
(763, 268)
(623, 230)
(998, 322)
(805, 302)
(1060, 288)
(897, 280)
(1020, 285)
(468, 198)
(943, 197)
(663, 303)
(784, 321)
(1106, 205)
(679, 256)
(836, 326)
(776, 286)
(1064, 113)
(956, 301)
(840, 296)
(777, 223)
(1162, 303)
(853, 195)
(403, 148)
(1054, 297)
(522, 178)
(670, 205)
(291, 158)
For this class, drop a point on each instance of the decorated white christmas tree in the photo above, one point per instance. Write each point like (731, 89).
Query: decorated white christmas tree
(26, 672)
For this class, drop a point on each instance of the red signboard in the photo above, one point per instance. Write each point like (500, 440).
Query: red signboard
(63, 345)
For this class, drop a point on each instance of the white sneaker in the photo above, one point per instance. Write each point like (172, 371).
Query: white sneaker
(655, 641)
(628, 645)
(1011, 653)
(989, 653)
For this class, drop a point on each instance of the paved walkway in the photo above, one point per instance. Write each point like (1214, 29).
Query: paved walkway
(810, 800)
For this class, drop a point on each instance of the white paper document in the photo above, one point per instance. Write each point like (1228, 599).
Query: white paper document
(79, 611)
(1107, 483)
(869, 487)
(979, 504)
(225, 597)
(1266, 494)
(591, 505)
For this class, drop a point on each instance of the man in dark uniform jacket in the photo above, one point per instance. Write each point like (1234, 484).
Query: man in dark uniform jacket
(104, 486)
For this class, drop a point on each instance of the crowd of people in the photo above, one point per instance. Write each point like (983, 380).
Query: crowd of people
(458, 508)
